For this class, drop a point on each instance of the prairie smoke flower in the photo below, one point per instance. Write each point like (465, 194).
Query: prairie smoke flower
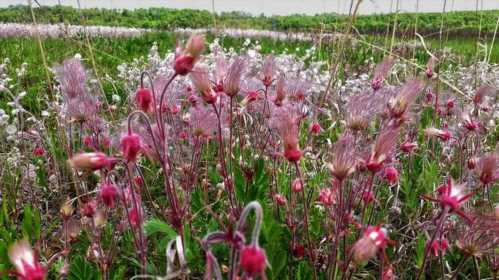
(134, 217)
(400, 104)
(297, 90)
(144, 99)
(186, 58)
(481, 93)
(408, 147)
(315, 128)
(280, 91)
(268, 70)
(220, 73)
(380, 73)
(130, 146)
(38, 151)
(430, 65)
(88, 208)
(343, 158)
(90, 161)
(391, 174)
(326, 197)
(479, 238)
(296, 185)
(442, 134)
(253, 260)
(382, 148)
(24, 260)
(375, 238)
(202, 121)
(468, 122)
(488, 168)
(108, 193)
(199, 77)
(438, 247)
(361, 109)
(72, 78)
(233, 79)
(78, 103)
(280, 199)
(286, 121)
(451, 197)
(66, 210)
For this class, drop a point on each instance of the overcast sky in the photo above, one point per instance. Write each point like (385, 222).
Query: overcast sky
(280, 7)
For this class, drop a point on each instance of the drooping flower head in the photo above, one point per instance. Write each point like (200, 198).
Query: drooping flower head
(24, 260)
(90, 161)
(375, 238)
(253, 260)
(186, 58)
(144, 99)
(108, 193)
(391, 175)
(130, 146)
(442, 134)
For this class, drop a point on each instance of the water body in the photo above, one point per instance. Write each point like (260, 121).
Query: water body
(279, 7)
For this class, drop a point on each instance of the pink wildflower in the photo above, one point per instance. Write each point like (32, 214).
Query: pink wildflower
(186, 58)
(24, 260)
(253, 260)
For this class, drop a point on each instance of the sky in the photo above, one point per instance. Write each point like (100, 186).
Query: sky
(278, 7)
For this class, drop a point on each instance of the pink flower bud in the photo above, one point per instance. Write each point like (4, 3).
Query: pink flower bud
(134, 217)
(138, 181)
(408, 147)
(391, 175)
(297, 186)
(450, 104)
(280, 199)
(144, 99)
(38, 151)
(90, 161)
(368, 197)
(88, 208)
(292, 155)
(108, 194)
(253, 260)
(315, 128)
(472, 163)
(130, 146)
(326, 197)
(87, 141)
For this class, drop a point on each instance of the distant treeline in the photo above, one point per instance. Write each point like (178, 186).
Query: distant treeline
(454, 23)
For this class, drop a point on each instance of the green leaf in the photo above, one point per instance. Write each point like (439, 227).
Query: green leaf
(154, 226)
(82, 270)
(31, 226)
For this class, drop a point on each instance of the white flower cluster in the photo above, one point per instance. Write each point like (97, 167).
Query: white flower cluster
(15, 30)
